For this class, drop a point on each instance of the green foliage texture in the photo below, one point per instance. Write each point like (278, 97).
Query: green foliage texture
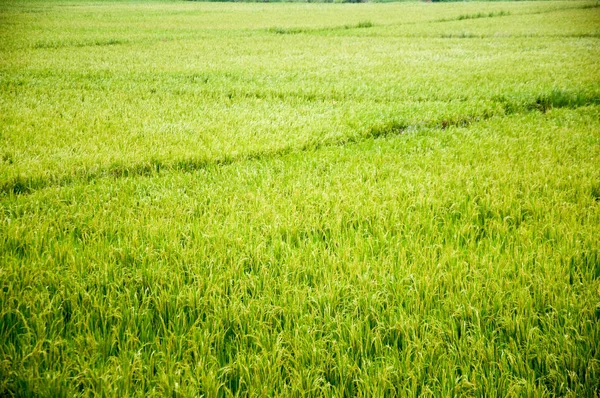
(202, 199)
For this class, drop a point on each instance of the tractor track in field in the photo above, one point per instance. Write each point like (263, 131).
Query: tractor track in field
(24, 185)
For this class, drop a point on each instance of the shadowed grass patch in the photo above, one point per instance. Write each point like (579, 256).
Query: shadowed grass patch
(293, 31)
(44, 44)
(555, 98)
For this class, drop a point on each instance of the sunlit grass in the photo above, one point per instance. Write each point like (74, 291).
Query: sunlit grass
(299, 199)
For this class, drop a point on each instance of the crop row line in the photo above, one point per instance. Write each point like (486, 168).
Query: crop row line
(21, 185)
(49, 44)
(368, 24)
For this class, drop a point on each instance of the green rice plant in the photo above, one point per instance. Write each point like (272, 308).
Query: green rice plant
(366, 200)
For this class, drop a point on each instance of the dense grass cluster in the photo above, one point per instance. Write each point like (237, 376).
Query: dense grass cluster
(293, 199)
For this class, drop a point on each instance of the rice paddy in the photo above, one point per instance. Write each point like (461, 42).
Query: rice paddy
(292, 199)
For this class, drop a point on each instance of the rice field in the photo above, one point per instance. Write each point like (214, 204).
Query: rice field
(294, 199)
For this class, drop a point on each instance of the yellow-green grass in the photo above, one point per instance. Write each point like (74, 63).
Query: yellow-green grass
(267, 199)
(83, 98)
